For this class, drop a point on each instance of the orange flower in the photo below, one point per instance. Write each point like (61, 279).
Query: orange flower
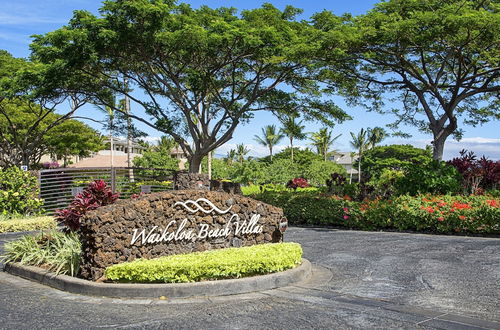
(440, 219)
(493, 203)
(461, 217)
(461, 206)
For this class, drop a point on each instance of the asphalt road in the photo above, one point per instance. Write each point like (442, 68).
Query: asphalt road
(361, 280)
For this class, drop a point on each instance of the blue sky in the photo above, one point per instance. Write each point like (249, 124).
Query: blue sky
(22, 18)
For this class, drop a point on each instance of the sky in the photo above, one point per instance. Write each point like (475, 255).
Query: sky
(21, 19)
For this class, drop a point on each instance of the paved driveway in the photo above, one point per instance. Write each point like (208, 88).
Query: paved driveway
(362, 280)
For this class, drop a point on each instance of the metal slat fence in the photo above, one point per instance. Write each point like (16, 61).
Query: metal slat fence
(59, 186)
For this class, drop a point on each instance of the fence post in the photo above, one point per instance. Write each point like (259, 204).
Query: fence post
(113, 179)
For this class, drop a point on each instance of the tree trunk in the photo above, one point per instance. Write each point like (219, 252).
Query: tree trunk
(359, 169)
(271, 153)
(209, 165)
(291, 147)
(195, 163)
(438, 147)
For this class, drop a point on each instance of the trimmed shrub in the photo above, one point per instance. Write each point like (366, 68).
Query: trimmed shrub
(430, 213)
(27, 224)
(54, 251)
(95, 195)
(19, 193)
(210, 265)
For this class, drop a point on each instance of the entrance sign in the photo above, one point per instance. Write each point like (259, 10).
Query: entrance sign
(174, 222)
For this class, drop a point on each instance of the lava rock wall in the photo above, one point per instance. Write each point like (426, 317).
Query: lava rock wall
(173, 222)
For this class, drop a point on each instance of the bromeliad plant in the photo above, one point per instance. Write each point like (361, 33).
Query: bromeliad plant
(97, 194)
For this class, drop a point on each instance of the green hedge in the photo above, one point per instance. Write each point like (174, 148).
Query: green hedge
(210, 265)
(27, 224)
(430, 213)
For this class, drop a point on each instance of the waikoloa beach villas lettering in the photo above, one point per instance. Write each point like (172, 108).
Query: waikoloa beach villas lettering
(234, 224)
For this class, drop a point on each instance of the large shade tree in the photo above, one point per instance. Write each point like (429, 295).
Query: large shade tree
(28, 105)
(434, 60)
(200, 72)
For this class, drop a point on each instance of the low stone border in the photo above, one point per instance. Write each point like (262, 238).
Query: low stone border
(169, 290)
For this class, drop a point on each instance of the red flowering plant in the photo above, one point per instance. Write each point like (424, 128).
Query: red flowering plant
(476, 214)
(297, 183)
(96, 194)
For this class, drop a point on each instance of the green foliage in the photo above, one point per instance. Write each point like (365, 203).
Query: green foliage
(249, 172)
(135, 187)
(281, 171)
(307, 207)
(383, 185)
(435, 177)
(210, 265)
(226, 65)
(27, 224)
(30, 131)
(415, 51)
(393, 157)
(19, 192)
(319, 171)
(301, 157)
(53, 250)
(432, 213)
(72, 138)
(323, 140)
(156, 159)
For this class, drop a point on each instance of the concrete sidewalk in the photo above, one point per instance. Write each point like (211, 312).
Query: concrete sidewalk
(363, 280)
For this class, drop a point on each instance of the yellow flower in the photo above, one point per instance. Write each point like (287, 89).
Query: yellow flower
(16, 194)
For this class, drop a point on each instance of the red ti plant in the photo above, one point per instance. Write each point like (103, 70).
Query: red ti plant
(477, 174)
(297, 183)
(96, 194)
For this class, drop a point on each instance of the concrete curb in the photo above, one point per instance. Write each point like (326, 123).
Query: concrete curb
(169, 290)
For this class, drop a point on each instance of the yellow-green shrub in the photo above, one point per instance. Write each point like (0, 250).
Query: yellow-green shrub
(27, 224)
(210, 265)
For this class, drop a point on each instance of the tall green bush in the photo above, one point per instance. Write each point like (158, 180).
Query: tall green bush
(435, 177)
(19, 193)
(319, 171)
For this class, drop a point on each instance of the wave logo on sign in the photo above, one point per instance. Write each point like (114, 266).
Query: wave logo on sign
(194, 206)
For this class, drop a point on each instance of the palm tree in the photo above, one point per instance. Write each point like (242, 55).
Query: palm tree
(293, 130)
(361, 143)
(270, 138)
(231, 155)
(322, 140)
(376, 135)
(241, 152)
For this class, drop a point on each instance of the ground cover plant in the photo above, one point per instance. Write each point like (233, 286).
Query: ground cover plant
(27, 224)
(53, 250)
(210, 265)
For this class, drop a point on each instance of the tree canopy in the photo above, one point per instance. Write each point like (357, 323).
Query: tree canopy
(436, 61)
(27, 110)
(203, 71)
